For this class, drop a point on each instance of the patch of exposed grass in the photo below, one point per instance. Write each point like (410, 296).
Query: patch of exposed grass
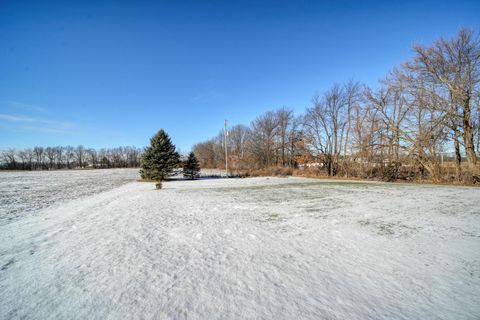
(273, 216)
(388, 228)
(328, 183)
(299, 184)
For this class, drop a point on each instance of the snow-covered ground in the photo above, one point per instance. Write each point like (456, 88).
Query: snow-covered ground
(26, 192)
(264, 248)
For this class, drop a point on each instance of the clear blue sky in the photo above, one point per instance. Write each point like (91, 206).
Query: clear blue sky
(112, 74)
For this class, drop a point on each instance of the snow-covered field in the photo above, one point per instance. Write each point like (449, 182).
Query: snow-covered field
(263, 248)
(26, 192)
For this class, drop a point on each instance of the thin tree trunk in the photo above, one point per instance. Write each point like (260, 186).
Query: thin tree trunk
(458, 156)
(468, 136)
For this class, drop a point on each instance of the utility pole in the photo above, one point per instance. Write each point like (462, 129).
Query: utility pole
(226, 150)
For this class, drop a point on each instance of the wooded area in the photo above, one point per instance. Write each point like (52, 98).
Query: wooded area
(421, 122)
(40, 158)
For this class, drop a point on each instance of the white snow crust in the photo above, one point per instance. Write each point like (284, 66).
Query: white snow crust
(256, 248)
(26, 192)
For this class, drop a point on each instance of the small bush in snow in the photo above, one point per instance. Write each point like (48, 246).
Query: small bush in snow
(191, 168)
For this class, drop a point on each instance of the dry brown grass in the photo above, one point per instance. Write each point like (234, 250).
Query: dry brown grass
(268, 172)
(147, 180)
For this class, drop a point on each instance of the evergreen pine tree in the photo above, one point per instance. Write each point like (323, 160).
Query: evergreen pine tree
(160, 158)
(191, 168)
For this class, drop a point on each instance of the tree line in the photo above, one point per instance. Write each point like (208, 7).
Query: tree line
(425, 108)
(68, 157)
